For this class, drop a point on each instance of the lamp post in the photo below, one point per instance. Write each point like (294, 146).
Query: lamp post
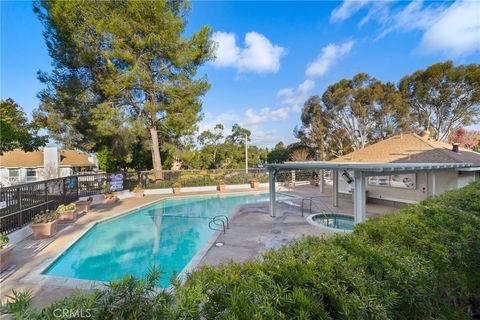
(246, 154)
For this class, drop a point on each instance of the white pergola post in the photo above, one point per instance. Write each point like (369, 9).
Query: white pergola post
(433, 190)
(359, 201)
(322, 180)
(335, 188)
(271, 189)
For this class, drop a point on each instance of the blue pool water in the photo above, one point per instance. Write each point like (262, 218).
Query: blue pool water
(166, 234)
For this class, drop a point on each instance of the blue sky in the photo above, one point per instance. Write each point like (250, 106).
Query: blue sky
(273, 55)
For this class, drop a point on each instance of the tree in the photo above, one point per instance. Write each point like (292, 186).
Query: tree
(211, 140)
(354, 106)
(315, 121)
(465, 138)
(123, 60)
(279, 154)
(16, 131)
(350, 114)
(238, 135)
(443, 97)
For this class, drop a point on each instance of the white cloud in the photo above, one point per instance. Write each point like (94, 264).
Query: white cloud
(452, 28)
(412, 17)
(328, 57)
(254, 117)
(456, 32)
(347, 9)
(259, 55)
(209, 122)
(291, 96)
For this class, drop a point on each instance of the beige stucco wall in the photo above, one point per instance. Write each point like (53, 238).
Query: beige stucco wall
(400, 194)
(444, 180)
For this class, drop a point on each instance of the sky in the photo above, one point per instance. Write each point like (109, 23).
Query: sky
(273, 55)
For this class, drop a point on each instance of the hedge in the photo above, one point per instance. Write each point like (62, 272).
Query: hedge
(421, 262)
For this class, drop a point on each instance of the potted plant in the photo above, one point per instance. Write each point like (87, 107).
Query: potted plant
(44, 224)
(221, 186)
(84, 205)
(138, 192)
(67, 213)
(6, 249)
(176, 187)
(254, 184)
(109, 197)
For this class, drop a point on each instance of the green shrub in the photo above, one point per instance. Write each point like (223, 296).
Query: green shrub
(421, 262)
(66, 207)
(45, 216)
(4, 240)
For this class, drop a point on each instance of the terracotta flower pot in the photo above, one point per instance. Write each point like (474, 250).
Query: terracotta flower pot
(176, 190)
(68, 216)
(138, 194)
(44, 230)
(84, 206)
(5, 256)
(221, 188)
(254, 184)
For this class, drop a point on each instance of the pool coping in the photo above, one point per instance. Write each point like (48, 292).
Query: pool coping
(36, 276)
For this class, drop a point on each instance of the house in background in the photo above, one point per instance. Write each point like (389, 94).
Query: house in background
(18, 166)
(415, 186)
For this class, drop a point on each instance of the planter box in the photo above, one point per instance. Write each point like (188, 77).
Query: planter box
(68, 216)
(44, 230)
(254, 184)
(110, 200)
(221, 188)
(5, 256)
(83, 206)
(138, 194)
(176, 190)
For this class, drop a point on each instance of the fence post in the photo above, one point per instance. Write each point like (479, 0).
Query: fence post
(64, 191)
(19, 198)
(76, 186)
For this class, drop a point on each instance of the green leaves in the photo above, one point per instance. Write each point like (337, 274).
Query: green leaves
(419, 263)
(16, 131)
(118, 65)
(443, 97)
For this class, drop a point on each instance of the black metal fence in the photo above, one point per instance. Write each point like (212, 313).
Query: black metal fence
(20, 203)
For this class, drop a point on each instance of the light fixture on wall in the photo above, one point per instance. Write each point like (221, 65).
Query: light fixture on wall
(347, 177)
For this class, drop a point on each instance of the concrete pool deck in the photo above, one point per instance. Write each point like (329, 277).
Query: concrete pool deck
(252, 231)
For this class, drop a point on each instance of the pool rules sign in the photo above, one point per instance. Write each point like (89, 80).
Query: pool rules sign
(116, 182)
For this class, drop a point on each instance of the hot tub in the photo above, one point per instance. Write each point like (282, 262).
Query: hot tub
(332, 221)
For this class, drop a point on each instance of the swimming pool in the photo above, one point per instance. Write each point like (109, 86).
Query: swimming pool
(167, 233)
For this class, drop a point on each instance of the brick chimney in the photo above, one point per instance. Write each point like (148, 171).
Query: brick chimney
(455, 147)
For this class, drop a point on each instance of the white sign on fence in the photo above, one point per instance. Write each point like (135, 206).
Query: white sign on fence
(116, 182)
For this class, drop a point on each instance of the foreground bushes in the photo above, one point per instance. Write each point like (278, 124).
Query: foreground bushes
(422, 262)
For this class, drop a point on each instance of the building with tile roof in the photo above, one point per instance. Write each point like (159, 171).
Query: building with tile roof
(18, 166)
(414, 186)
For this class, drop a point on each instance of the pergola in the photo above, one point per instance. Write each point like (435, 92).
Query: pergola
(360, 172)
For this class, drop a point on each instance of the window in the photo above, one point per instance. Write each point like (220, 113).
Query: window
(13, 173)
(13, 176)
(31, 174)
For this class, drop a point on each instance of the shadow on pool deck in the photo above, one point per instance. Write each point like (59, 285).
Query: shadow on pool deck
(252, 231)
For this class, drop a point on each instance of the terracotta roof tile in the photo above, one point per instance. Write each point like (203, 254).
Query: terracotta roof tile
(20, 158)
(72, 157)
(411, 148)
